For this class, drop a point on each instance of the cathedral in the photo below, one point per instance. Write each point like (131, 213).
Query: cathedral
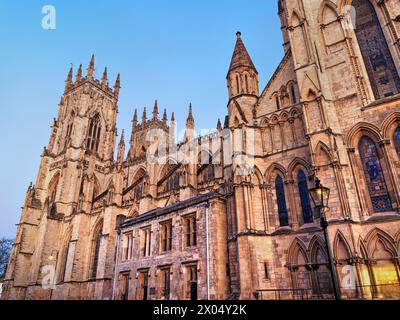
(227, 215)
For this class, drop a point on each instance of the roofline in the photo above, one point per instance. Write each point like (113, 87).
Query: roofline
(171, 208)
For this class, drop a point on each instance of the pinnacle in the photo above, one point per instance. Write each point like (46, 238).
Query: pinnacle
(240, 57)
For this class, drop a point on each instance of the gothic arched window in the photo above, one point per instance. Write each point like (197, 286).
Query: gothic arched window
(93, 136)
(207, 174)
(96, 250)
(293, 94)
(170, 182)
(378, 60)
(277, 102)
(373, 173)
(396, 140)
(281, 200)
(237, 85)
(64, 261)
(304, 197)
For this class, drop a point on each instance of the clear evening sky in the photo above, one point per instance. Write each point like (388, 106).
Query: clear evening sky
(174, 51)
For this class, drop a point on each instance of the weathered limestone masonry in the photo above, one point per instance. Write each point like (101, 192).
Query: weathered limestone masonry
(128, 228)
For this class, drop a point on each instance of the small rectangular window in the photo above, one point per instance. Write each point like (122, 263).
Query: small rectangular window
(145, 240)
(191, 282)
(164, 280)
(266, 275)
(166, 236)
(142, 285)
(127, 246)
(190, 228)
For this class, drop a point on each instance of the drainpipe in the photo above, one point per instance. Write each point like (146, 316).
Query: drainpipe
(116, 263)
(207, 253)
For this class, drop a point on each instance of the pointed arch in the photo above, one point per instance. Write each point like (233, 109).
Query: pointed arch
(294, 112)
(170, 180)
(269, 173)
(140, 172)
(382, 249)
(277, 99)
(341, 248)
(284, 116)
(65, 252)
(385, 238)
(297, 253)
(327, 12)
(323, 154)
(299, 162)
(296, 18)
(204, 156)
(317, 250)
(52, 187)
(362, 128)
(170, 165)
(265, 122)
(96, 246)
(390, 122)
(274, 119)
(256, 176)
(319, 257)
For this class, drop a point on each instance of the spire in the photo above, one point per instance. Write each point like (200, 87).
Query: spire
(68, 82)
(78, 74)
(90, 70)
(172, 131)
(104, 79)
(117, 86)
(121, 148)
(240, 57)
(164, 118)
(219, 126)
(144, 116)
(122, 140)
(190, 119)
(155, 111)
(226, 122)
(134, 121)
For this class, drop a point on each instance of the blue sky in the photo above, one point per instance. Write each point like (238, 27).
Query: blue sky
(174, 51)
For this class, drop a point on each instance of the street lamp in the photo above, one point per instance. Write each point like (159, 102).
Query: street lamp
(320, 197)
(53, 257)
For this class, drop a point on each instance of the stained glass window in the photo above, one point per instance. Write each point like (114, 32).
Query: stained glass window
(378, 60)
(304, 197)
(396, 139)
(280, 196)
(374, 178)
(96, 250)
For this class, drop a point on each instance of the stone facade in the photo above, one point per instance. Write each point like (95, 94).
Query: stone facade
(130, 228)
